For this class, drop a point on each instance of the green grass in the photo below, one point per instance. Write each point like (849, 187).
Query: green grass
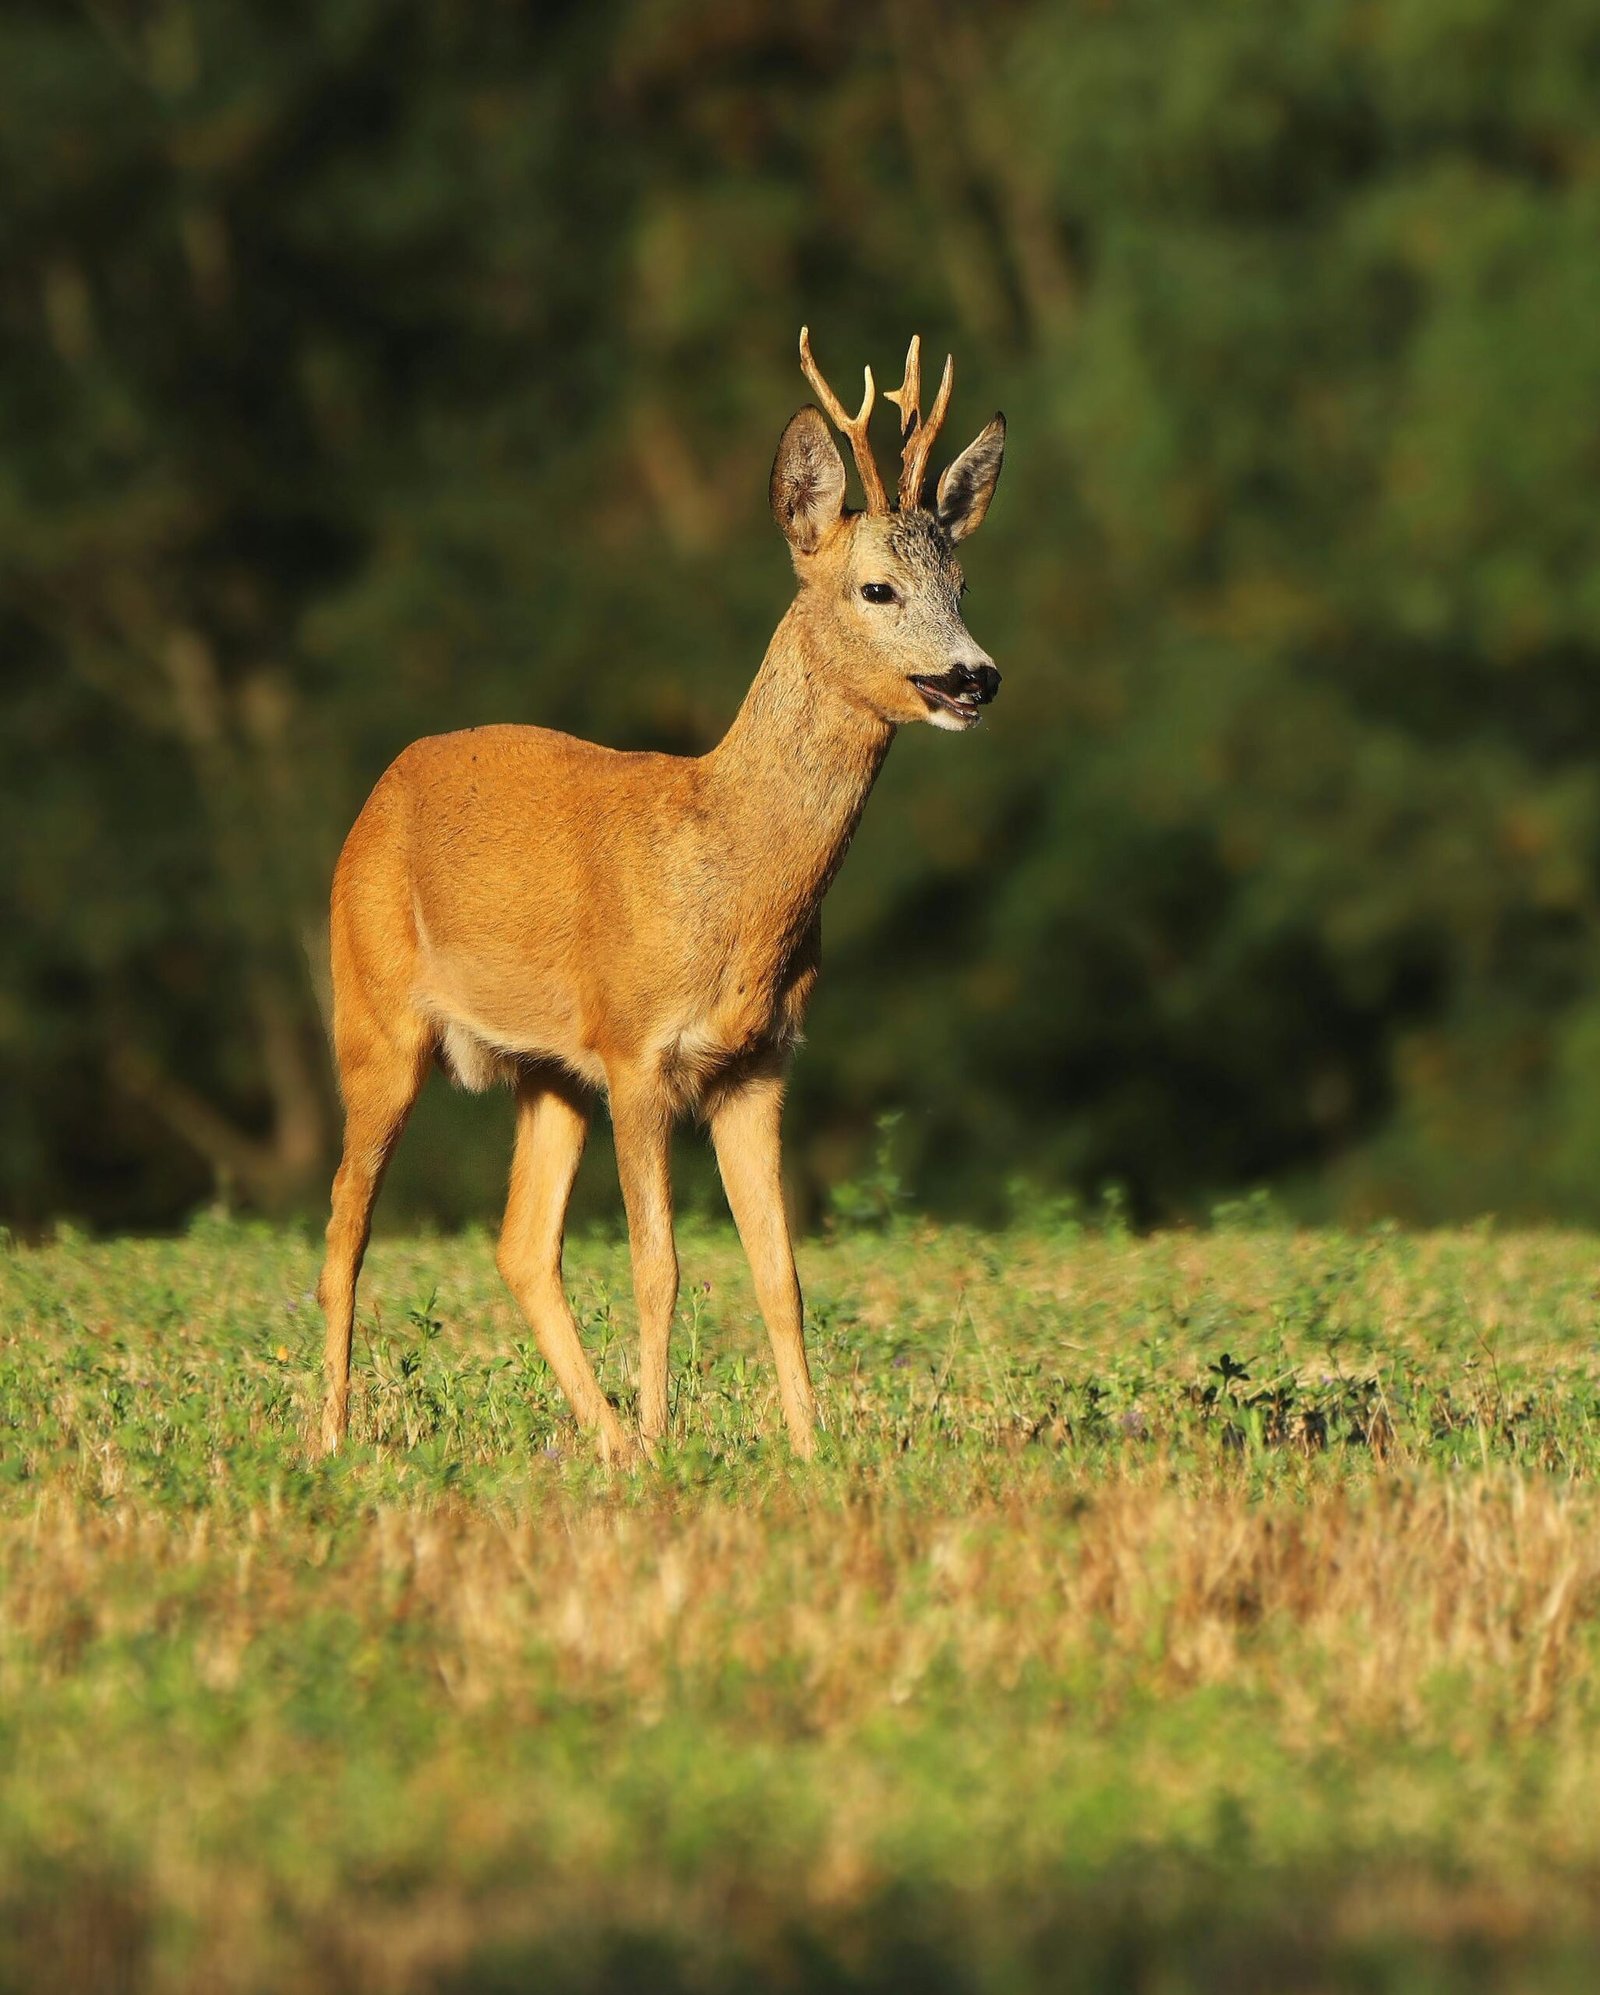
(1210, 1611)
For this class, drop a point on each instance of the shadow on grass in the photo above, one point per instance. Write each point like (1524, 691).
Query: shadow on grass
(904, 1950)
(69, 1932)
(79, 1936)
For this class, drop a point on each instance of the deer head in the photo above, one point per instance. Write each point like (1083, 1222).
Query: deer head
(880, 590)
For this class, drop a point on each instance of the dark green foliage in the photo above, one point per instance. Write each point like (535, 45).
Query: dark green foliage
(376, 368)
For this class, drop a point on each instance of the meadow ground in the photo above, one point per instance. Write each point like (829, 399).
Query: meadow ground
(1217, 1610)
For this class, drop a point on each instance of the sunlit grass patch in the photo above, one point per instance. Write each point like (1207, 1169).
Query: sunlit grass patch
(1207, 1609)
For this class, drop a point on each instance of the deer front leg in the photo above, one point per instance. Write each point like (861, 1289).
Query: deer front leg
(642, 1121)
(745, 1133)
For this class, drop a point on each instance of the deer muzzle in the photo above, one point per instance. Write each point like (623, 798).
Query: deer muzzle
(962, 691)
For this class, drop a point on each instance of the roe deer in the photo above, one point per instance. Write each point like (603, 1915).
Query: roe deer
(522, 906)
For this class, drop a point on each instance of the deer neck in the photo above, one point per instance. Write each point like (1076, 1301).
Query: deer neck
(793, 773)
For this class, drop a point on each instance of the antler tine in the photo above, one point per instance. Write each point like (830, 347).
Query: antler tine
(853, 427)
(919, 443)
(908, 396)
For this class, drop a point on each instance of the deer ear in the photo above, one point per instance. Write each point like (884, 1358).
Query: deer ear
(968, 485)
(807, 490)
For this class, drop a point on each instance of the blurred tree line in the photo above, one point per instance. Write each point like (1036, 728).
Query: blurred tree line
(382, 366)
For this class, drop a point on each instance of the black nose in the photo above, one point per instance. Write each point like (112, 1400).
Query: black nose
(983, 679)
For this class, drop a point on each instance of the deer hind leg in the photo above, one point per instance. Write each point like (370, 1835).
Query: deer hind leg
(552, 1124)
(745, 1134)
(642, 1119)
(381, 1072)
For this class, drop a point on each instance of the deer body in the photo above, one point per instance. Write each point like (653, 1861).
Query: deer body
(522, 906)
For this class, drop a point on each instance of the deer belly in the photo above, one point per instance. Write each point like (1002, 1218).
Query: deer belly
(494, 1015)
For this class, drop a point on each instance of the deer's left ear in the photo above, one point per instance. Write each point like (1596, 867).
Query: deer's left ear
(807, 489)
(968, 485)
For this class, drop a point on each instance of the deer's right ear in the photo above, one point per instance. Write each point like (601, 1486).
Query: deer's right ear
(807, 490)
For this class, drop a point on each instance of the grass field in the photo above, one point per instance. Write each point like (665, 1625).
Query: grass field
(1218, 1610)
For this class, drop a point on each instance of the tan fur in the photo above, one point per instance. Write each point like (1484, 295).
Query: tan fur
(526, 907)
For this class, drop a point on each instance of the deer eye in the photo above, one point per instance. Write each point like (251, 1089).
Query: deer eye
(879, 592)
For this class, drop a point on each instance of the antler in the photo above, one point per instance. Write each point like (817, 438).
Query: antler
(919, 435)
(855, 428)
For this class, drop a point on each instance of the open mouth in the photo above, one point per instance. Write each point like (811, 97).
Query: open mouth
(964, 698)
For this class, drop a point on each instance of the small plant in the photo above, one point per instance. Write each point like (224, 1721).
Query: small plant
(1256, 1212)
(879, 1196)
(1032, 1208)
